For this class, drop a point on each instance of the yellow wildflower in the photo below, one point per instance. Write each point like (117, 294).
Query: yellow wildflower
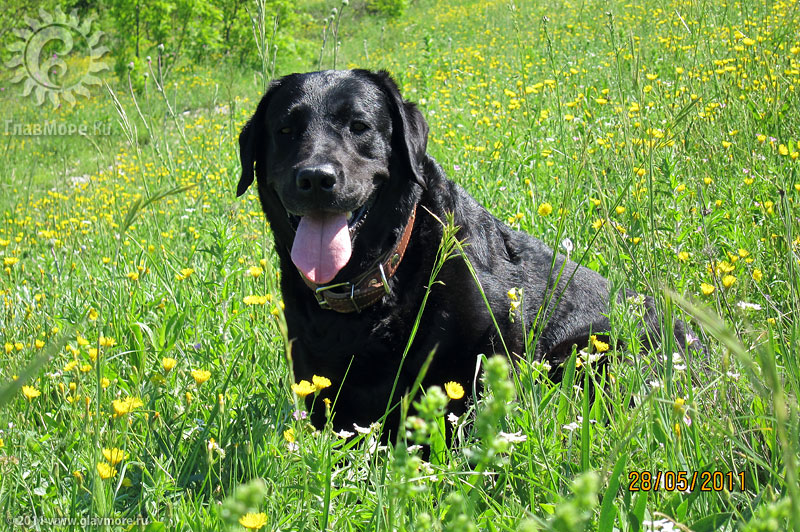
(30, 392)
(115, 455)
(454, 390)
(253, 521)
(184, 274)
(707, 289)
(599, 345)
(256, 300)
(107, 341)
(168, 363)
(678, 405)
(725, 266)
(125, 406)
(320, 382)
(544, 209)
(105, 470)
(201, 375)
(303, 388)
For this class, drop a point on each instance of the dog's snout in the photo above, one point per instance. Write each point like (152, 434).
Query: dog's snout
(316, 179)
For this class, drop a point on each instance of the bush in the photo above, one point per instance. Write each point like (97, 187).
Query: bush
(387, 8)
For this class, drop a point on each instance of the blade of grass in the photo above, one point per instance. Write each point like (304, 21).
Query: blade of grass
(566, 388)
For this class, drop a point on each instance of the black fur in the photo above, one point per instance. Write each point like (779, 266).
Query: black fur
(388, 162)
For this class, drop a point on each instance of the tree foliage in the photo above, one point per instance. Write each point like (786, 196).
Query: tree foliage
(194, 31)
(201, 30)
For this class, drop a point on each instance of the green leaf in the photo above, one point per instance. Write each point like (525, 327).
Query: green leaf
(439, 443)
(711, 523)
(608, 510)
(680, 511)
(636, 517)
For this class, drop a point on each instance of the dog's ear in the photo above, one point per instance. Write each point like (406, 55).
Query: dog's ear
(250, 140)
(246, 143)
(409, 128)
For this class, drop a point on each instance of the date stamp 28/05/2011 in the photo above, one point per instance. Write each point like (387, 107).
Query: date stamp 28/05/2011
(685, 481)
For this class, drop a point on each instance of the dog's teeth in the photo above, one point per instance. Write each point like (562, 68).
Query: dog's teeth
(349, 215)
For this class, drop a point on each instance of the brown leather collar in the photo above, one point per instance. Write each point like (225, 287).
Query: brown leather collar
(369, 287)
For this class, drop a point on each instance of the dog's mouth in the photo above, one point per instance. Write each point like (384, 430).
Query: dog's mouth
(355, 219)
(323, 240)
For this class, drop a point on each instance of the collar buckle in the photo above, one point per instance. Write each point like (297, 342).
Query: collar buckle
(319, 293)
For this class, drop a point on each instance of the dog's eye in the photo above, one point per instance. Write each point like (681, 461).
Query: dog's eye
(286, 130)
(358, 126)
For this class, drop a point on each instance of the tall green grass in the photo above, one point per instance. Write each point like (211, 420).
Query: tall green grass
(656, 143)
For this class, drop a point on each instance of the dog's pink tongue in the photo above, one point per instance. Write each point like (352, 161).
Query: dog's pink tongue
(321, 246)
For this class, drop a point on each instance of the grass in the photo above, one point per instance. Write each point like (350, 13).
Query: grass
(656, 141)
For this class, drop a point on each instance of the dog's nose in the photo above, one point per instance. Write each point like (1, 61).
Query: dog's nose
(315, 179)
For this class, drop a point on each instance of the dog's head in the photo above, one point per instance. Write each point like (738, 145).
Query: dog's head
(328, 148)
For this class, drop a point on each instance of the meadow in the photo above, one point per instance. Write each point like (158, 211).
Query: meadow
(144, 380)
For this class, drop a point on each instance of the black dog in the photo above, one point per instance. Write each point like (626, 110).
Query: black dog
(353, 199)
